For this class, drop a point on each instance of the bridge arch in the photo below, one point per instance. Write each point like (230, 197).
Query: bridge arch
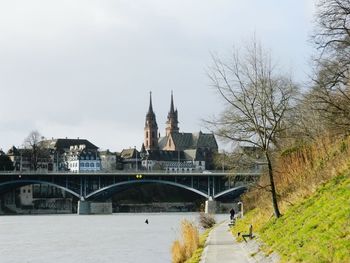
(28, 182)
(229, 191)
(146, 181)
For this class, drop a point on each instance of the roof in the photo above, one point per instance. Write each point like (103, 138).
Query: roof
(160, 155)
(162, 142)
(67, 143)
(129, 153)
(187, 155)
(83, 152)
(205, 140)
(185, 141)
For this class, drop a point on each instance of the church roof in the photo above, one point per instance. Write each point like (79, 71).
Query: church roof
(190, 140)
(205, 140)
(162, 141)
(186, 155)
(160, 155)
(182, 140)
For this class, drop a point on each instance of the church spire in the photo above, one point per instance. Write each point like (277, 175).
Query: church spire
(172, 103)
(150, 108)
(172, 122)
(151, 128)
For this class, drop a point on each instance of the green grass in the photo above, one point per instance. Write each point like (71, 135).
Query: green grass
(196, 257)
(314, 230)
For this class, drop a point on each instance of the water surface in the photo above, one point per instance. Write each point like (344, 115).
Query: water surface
(90, 239)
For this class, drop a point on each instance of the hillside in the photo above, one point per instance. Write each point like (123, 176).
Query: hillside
(315, 227)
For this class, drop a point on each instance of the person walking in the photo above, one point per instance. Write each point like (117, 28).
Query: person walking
(232, 214)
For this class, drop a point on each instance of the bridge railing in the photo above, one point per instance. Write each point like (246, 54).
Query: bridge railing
(131, 173)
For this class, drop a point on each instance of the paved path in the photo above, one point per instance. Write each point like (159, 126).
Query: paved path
(222, 248)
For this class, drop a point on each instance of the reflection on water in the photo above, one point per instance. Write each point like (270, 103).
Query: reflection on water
(95, 238)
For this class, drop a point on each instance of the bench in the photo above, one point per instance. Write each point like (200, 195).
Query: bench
(250, 234)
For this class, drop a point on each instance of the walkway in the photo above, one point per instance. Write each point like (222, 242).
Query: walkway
(221, 247)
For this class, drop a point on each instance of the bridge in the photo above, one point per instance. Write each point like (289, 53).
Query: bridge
(99, 186)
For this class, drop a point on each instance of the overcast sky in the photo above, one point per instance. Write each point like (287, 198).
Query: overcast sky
(81, 68)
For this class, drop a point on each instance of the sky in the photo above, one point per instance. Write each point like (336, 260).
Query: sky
(85, 68)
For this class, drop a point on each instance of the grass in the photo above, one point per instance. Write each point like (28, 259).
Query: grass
(313, 183)
(315, 230)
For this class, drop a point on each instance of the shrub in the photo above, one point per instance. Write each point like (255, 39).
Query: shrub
(182, 250)
(206, 220)
(177, 252)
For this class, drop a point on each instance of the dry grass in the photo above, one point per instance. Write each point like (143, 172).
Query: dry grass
(183, 249)
(298, 172)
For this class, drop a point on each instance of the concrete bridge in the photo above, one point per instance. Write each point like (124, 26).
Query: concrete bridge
(98, 187)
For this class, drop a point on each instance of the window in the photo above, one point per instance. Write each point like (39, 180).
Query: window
(28, 190)
(146, 134)
(24, 190)
(82, 164)
(169, 143)
(92, 165)
(98, 165)
(87, 164)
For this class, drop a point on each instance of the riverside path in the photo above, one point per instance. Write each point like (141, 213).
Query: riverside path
(221, 247)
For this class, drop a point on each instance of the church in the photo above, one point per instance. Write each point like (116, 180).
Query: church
(176, 151)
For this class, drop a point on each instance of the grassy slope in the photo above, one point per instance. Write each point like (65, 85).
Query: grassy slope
(316, 229)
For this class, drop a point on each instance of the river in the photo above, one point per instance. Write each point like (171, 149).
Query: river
(113, 238)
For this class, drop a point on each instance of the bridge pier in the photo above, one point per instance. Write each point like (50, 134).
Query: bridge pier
(92, 208)
(211, 206)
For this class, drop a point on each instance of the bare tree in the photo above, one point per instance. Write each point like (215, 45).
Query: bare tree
(332, 26)
(32, 142)
(331, 93)
(256, 99)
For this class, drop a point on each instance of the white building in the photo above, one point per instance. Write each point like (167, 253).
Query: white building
(81, 159)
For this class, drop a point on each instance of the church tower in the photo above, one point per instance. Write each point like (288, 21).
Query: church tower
(151, 128)
(172, 122)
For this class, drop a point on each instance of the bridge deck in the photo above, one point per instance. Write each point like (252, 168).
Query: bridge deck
(131, 173)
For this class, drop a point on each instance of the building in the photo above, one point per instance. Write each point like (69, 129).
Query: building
(81, 159)
(110, 161)
(131, 159)
(25, 159)
(76, 155)
(176, 151)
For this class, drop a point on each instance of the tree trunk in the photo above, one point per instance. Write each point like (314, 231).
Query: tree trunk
(273, 189)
